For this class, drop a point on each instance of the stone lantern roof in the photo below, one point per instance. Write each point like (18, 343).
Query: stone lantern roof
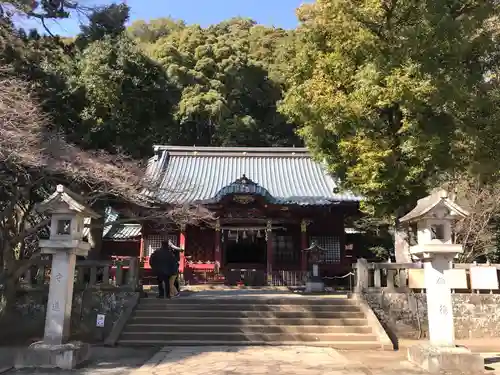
(426, 206)
(65, 199)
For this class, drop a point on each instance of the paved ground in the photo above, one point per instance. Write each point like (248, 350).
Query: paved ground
(297, 360)
(265, 360)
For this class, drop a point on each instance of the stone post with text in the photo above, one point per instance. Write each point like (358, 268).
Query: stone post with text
(67, 212)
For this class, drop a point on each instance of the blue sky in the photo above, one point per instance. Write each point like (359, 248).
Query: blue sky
(279, 13)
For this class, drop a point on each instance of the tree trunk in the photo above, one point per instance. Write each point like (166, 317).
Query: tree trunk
(95, 237)
(96, 231)
(8, 296)
(401, 245)
(7, 282)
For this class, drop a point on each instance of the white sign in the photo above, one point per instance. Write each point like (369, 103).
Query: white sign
(483, 278)
(100, 320)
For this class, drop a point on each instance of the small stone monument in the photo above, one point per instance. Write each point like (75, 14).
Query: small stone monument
(65, 242)
(314, 284)
(434, 217)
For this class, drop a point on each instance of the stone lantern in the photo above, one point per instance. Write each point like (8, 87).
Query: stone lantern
(67, 213)
(434, 217)
(315, 282)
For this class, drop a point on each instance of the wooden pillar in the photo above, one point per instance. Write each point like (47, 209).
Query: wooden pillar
(141, 248)
(303, 244)
(269, 239)
(218, 250)
(182, 245)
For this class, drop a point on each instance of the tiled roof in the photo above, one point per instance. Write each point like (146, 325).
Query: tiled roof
(123, 231)
(115, 231)
(289, 175)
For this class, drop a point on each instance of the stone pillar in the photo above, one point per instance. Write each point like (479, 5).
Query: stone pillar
(439, 302)
(57, 320)
(362, 276)
(315, 270)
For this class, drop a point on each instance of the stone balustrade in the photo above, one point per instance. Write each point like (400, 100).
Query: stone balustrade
(401, 277)
(121, 272)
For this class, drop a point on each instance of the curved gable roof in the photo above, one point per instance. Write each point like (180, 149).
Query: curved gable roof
(289, 175)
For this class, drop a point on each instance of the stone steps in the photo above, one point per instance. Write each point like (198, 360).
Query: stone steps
(250, 329)
(244, 336)
(333, 322)
(248, 307)
(250, 314)
(225, 321)
(345, 345)
(255, 301)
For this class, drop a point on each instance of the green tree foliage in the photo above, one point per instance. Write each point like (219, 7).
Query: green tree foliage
(223, 77)
(166, 82)
(118, 88)
(104, 22)
(150, 32)
(127, 98)
(39, 9)
(393, 93)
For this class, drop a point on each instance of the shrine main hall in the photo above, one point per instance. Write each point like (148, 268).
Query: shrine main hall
(268, 204)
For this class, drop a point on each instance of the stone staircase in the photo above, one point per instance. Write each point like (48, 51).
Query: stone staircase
(334, 322)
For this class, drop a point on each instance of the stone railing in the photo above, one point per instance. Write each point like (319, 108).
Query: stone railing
(289, 278)
(402, 277)
(116, 273)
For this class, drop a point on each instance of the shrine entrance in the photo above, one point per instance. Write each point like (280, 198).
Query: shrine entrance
(244, 257)
(245, 251)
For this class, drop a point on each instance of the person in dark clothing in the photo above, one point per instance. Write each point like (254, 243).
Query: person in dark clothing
(165, 266)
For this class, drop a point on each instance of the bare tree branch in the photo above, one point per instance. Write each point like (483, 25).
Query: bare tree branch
(476, 232)
(33, 159)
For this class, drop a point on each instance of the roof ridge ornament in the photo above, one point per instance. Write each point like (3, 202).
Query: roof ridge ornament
(243, 189)
(244, 180)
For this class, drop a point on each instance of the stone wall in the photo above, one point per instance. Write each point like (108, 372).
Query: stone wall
(27, 322)
(405, 314)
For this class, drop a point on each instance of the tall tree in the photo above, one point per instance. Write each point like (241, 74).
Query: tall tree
(128, 102)
(392, 93)
(108, 21)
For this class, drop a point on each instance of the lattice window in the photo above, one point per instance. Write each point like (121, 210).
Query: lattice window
(284, 249)
(332, 246)
(200, 245)
(151, 243)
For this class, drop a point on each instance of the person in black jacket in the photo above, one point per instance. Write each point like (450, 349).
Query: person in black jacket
(165, 266)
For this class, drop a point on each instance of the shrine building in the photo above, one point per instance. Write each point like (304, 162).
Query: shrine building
(268, 205)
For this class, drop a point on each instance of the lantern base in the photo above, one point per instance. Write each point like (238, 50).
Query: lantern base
(436, 359)
(313, 286)
(41, 355)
